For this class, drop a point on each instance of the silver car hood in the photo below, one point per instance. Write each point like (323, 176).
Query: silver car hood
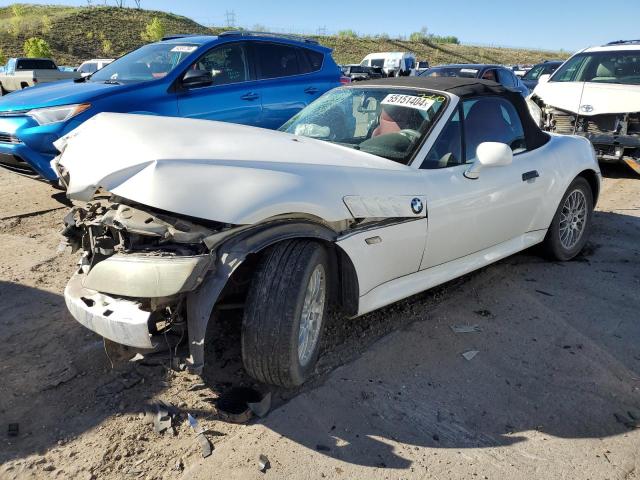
(224, 172)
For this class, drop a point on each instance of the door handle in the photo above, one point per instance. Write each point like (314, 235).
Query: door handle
(530, 175)
(250, 96)
(311, 90)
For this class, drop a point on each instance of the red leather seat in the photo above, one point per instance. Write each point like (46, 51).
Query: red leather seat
(393, 119)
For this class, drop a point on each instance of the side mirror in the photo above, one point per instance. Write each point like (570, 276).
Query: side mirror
(544, 78)
(197, 78)
(489, 154)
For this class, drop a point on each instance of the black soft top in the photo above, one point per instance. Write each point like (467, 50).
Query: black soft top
(460, 86)
(469, 88)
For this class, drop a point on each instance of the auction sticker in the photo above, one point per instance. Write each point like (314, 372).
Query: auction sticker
(184, 48)
(411, 101)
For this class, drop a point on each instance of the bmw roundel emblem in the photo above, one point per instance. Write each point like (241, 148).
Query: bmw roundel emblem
(416, 205)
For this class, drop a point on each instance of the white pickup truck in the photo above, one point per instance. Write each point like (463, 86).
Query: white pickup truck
(21, 73)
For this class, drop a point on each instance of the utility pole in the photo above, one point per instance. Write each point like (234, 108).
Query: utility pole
(322, 31)
(231, 18)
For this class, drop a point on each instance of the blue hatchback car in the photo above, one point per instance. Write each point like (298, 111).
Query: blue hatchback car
(242, 77)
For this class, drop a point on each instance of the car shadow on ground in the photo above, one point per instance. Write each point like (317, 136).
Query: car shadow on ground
(617, 170)
(57, 381)
(558, 354)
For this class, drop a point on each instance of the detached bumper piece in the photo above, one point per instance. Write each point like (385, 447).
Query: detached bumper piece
(121, 321)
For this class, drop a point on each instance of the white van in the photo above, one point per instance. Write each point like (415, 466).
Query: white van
(393, 64)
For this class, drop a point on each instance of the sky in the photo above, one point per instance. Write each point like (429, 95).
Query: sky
(549, 24)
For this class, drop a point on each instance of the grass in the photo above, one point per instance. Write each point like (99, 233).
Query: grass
(79, 33)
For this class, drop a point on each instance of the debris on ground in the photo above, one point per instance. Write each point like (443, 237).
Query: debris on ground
(542, 292)
(161, 415)
(261, 408)
(466, 328)
(470, 354)
(233, 405)
(60, 376)
(13, 429)
(196, 387)
(205, 445)
(263, 463)
(483, 313)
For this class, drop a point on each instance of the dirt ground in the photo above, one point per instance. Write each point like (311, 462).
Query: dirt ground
(553, 392)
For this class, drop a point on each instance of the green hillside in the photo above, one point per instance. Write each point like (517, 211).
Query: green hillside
(78, 33)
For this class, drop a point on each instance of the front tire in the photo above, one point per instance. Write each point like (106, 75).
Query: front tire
(285, 313)
(571, 224)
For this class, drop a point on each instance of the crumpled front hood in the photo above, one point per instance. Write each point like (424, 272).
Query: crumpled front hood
(594, 98)
(219, 171)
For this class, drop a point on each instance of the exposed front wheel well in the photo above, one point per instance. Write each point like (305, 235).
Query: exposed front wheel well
(344, 288)
(592, 177)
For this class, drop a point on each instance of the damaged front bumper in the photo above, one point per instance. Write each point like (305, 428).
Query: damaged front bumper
(615, 137)
(119, 320)
(148, 284)
(137, 268)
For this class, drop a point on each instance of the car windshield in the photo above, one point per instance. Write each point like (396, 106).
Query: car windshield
(389, 123)
(534, 73)
(622, 66)
(466, 72)
(149, 62)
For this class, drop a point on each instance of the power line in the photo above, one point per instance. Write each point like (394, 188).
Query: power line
(231, 18)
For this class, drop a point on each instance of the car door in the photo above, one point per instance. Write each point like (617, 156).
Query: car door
(467, 216)
(232, 97)
(287, 80)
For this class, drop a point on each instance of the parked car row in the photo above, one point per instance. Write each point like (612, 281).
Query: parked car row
(494, 73)
(358, 73)
(352, 195)
(241, 77)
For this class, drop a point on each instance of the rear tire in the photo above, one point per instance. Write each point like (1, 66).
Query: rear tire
(285, 313)
(571, 224)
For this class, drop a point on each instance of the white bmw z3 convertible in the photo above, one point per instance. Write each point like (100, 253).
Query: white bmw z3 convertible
(372, 193)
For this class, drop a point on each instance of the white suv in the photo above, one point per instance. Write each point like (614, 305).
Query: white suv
(596, 94)
(91, 66)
